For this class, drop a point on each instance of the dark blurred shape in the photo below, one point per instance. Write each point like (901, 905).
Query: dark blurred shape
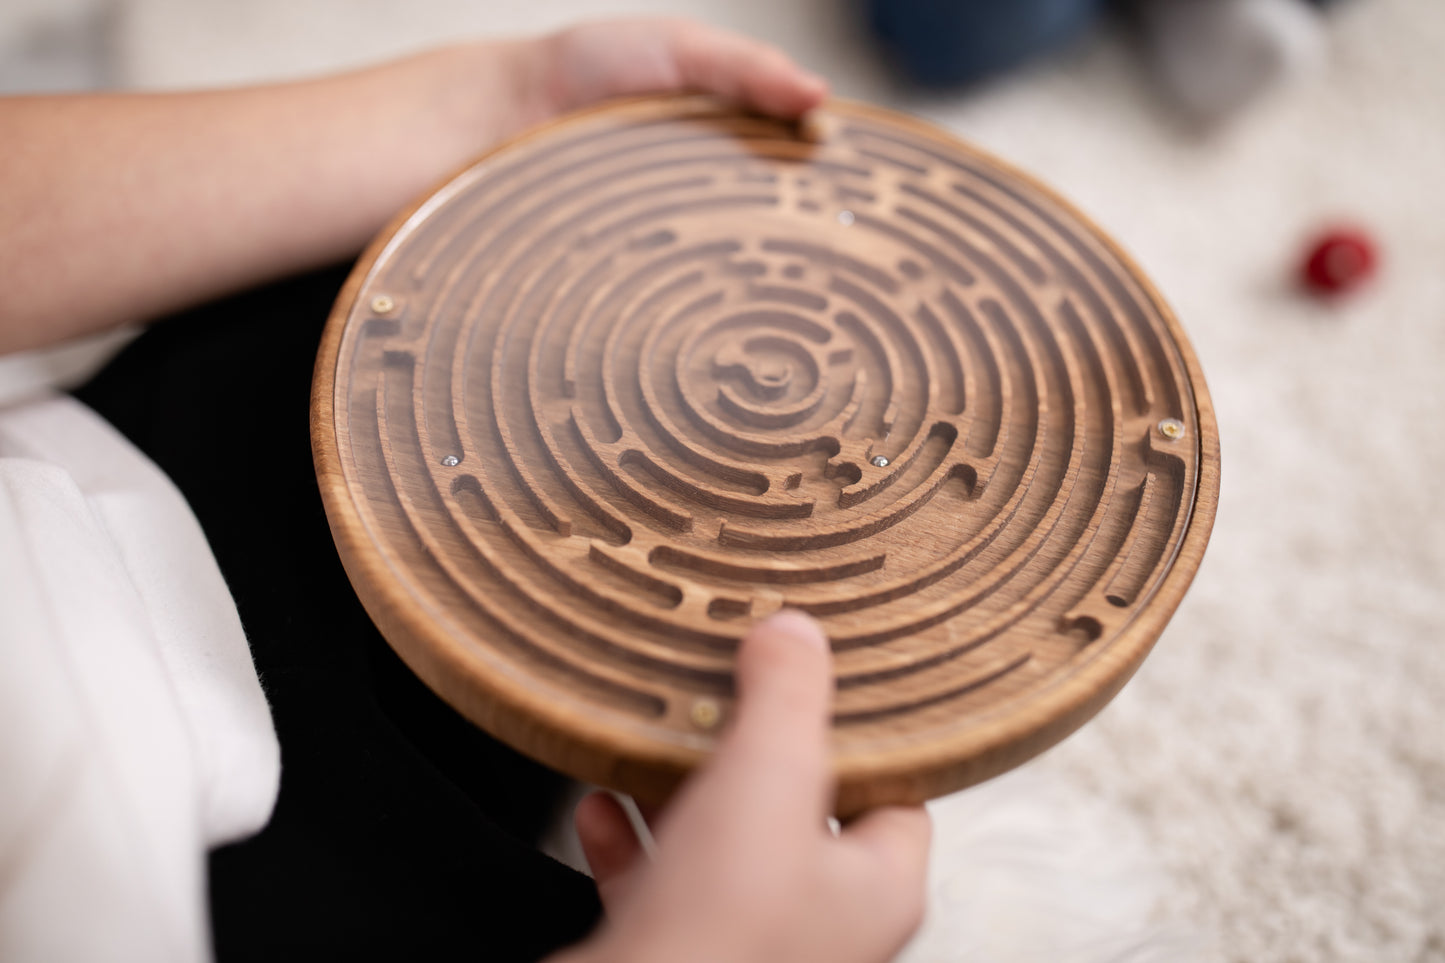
(1212, 58)
(945, 43)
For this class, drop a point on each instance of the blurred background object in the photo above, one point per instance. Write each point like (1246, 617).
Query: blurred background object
(1210, 56)
(1339, 261)
(1271, 786)
(954, 42)
(1215, 56)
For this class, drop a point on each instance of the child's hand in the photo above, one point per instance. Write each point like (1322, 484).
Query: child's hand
(747, 870)
(585, 64)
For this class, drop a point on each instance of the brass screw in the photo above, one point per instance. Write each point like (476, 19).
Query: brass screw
(1171, 428)
(705, 713)
(383, 304)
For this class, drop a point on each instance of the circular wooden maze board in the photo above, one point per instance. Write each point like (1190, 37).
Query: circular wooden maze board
(646, 374)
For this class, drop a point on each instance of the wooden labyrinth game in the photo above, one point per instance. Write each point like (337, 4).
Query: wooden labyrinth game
(646, 374)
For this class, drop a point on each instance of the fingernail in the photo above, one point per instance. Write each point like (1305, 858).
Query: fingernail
(798, 625)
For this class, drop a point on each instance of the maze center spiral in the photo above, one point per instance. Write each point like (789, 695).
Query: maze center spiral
(637, 381)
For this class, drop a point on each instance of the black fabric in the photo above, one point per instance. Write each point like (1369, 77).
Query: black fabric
(401, 831)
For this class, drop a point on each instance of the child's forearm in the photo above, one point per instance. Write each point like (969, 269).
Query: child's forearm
(116, 208)
(119, 208)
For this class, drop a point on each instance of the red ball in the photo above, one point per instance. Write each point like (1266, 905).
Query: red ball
(1339, 261)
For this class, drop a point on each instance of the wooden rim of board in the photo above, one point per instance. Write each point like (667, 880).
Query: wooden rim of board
(650, 371)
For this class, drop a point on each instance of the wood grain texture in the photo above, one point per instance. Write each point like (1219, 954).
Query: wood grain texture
(646, 374)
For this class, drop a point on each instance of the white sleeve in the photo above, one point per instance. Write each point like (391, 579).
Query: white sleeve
(133, 731)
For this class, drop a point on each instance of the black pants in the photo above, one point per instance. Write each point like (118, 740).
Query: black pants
(402, 832)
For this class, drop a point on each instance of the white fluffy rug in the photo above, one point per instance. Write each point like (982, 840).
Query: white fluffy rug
(1272, 784)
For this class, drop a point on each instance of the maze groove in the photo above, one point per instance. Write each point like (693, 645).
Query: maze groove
(650, 373)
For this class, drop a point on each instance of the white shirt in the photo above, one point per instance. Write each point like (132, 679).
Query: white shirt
(134, 734)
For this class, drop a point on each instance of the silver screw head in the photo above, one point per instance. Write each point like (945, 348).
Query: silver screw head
(451, 461)
(382, 304)
(1171, 428)
(880, 461)
(845, 218)
(705, 714)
